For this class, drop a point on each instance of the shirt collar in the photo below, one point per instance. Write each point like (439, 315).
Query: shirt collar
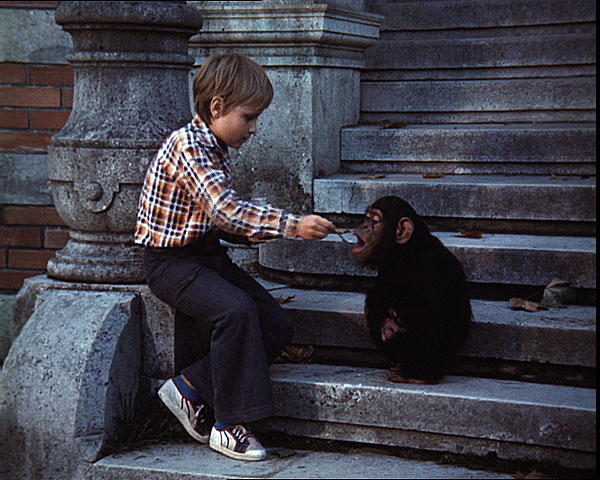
(205, 135)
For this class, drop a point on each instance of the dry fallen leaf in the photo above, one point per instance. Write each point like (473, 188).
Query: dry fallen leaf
(531, 475)
(434, 175)
(388, 124)
(468, 234)
(297, 353)
(558, 293)
(527, 305)
(374, 176)
(285, 299)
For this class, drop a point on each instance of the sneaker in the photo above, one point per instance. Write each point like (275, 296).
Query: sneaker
(192, 415)
(237, 442)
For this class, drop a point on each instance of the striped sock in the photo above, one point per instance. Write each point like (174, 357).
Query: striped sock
(222, 426)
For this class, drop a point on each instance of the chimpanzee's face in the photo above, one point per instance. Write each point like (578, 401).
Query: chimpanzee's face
(369, 237)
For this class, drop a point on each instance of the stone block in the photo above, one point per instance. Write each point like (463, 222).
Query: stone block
(544, 94)
(7, 302)
(558, 336)
(495, 258)
(32, 36)
(468, 149)
(501, 197)
(24, 179)
(78, 360)
(530, 421)
(194, 462)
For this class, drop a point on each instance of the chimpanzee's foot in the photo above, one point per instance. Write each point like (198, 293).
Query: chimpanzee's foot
(394, 374)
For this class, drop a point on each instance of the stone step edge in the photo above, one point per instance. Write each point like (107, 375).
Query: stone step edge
(493, 259)
(196, 461)
(559, 336)
(523, 143)
(491, 197)
(557, 416)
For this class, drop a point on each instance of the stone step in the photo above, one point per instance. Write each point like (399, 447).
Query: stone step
(558, 336)
(533, 149)
(499, 197)
(488, 100)
(513, 420)
(423, 15)
(483, 52)
(196, 461)
(493, 259)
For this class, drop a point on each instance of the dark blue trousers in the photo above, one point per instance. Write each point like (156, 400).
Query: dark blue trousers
(248, 328)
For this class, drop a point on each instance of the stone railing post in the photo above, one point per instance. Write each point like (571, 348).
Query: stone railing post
(131, 89)
(312, 52)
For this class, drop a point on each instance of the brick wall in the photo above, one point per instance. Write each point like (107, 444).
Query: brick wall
(35, 102)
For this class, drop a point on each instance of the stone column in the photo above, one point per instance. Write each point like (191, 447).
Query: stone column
(312, 52)
(131, 89)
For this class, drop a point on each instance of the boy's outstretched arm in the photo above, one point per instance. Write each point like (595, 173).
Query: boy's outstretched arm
(314, 227)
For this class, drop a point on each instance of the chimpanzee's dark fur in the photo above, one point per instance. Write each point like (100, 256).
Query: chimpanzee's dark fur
(425, 283)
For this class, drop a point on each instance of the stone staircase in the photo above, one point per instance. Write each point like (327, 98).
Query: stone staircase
(481, 114)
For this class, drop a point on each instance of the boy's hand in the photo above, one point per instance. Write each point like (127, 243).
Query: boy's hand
(314, 227)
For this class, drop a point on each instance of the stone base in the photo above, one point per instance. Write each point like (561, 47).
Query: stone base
(98, 258)
(69, 381)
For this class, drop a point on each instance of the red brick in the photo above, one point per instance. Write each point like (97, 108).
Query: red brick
(29, 97)
(13, 279)
(48, 119)
(67, 97)
(20, 237)
(14, 119)
(32, 216)
(25, 141)
(29, 259)
(50, 75)
(56, 237)
(3, 257)
(12, 73)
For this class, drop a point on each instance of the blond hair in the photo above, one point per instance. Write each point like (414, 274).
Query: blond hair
(235, 78)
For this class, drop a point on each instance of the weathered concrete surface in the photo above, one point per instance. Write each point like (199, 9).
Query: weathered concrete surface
(535, 421)
(481, 96)
(495, 258)
(560, 336)
(503, 197)
(471, 14)
(7, 302)
(31, 36)
(195, 462)
(482, 52)
(24, 179)
(156, 318)
(561, 149)
(70, 377)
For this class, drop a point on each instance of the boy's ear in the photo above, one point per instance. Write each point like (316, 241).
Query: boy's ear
(216, 107)
(404, 230)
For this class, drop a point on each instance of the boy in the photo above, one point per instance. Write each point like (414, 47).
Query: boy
(185, 201)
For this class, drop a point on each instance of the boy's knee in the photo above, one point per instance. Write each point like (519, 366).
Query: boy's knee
(240, 309)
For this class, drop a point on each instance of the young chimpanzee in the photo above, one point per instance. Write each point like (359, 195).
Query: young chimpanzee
(419, 311)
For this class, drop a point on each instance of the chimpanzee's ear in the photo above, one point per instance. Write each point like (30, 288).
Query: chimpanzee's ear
(404, 231)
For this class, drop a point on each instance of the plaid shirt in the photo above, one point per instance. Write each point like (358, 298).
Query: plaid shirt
(187, 192)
